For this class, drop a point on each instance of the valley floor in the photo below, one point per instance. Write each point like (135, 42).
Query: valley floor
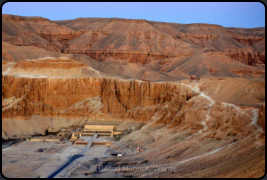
(244, 158)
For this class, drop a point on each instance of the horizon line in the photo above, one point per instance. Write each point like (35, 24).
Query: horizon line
(133, 19)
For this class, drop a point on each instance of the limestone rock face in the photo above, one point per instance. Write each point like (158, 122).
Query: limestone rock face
(65, 102)
(126, 55)
(90, 98)
(50, 97)
(249, 58)
(248, 40)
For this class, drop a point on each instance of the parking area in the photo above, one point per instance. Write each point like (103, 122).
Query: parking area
(39, 159)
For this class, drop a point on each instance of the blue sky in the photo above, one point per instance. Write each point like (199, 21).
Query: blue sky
(227, 14)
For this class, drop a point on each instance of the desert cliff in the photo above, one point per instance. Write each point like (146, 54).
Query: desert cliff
(135, 74)
(109, 99)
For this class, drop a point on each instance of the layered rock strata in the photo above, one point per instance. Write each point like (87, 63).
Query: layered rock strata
(64, 102)
(138, 41)
(55, 95)
(249, 58)
(130, 56)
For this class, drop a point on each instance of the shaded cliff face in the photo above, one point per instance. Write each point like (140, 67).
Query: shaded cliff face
(89, 98)
(66, 102)
(139, 42)
(61, 96)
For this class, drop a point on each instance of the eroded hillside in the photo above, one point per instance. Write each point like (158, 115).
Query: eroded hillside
(153, 50)
(134, 74)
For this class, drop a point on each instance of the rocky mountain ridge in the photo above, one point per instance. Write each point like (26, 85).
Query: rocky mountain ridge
(91, 35)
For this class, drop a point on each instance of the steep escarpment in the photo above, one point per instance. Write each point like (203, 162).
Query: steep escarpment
(117, 97)
(61, 63)
(248, 40)
(64, 102)
(90, 98)
(246, 57)
(126, 55)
